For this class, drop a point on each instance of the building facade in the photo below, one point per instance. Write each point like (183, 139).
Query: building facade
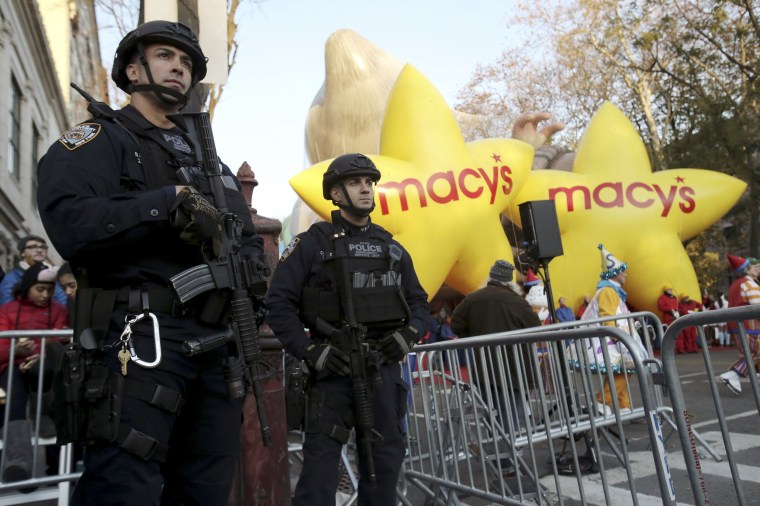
(36, 103)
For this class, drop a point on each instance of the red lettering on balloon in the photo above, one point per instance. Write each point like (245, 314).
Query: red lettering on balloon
(400, 189)
(466, 191)
(505, 176)
(447, 177)
(617, 189)
(667, 201)
(686, 192)
(632, 199)
(633, 194)
(568, 192)
(491, 183)
(470, 183)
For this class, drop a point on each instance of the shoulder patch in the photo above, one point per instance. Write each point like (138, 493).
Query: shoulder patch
(289, 248)
(80, 135)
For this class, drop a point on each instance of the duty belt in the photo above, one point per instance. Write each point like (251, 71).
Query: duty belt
(156, 299)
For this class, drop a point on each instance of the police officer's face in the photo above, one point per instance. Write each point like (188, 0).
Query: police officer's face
(361, 191)
(169, 66)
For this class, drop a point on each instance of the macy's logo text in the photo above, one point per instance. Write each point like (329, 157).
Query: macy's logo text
(469, 183)
(637, 194)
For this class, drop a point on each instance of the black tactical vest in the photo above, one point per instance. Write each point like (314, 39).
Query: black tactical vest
(373, 264)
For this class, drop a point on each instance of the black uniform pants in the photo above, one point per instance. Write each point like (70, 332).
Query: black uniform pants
(319, 478)
(203, 439)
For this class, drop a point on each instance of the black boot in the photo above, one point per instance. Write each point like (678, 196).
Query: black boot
(18, 452)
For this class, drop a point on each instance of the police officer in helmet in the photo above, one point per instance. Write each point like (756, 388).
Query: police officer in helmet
(157, 431)
(387, 300)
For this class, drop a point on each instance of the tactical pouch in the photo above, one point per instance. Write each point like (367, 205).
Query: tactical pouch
(102, 399)
(316, 421)
(68, 387)
(93, 311)
(296, 395)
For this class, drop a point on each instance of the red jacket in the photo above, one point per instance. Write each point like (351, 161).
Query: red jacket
(21, 314)
(686, 307)
(667, 304)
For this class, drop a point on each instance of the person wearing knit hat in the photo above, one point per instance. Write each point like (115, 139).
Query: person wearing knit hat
(609, 300)
(32, 249)
(743, 291)
(502, 272)
(32, 309)
(36, 274)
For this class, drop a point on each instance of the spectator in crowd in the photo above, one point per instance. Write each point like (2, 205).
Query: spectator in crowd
(498, 308)
(609, 300)
(742, 292)
(434, 327)
(688, 336)
(32, 249)
(667, 303)
(722, 337)
(68, 282)
(583, 306)
(32, 309)
(564, 312)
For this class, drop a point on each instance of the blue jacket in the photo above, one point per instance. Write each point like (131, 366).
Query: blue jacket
(565, 314)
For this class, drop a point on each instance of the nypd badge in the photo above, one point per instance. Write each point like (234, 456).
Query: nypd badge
(289, 248)
(80, 135)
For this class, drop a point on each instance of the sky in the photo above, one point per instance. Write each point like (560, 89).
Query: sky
(280, 68)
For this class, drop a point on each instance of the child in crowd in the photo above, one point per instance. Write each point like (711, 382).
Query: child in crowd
(32, 309)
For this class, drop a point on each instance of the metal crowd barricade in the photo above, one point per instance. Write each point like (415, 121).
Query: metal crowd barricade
(468, 437)
(43, 487)
(701, 483)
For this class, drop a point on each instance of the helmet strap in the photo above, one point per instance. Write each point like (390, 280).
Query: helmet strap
(349, 206)
(157, 89)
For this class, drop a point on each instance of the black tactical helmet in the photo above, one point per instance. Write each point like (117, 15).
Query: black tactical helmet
(173, 33)
(350, 165)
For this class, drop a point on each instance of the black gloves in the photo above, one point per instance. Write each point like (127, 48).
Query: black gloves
(323, 357)
(395, 346)
(197, 218)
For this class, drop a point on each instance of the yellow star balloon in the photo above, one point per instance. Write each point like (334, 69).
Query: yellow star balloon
(439, 196)
(642, 217)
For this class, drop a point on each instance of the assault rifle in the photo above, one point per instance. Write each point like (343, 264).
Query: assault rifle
(360, 358)
(228, 272)
(96, 108)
